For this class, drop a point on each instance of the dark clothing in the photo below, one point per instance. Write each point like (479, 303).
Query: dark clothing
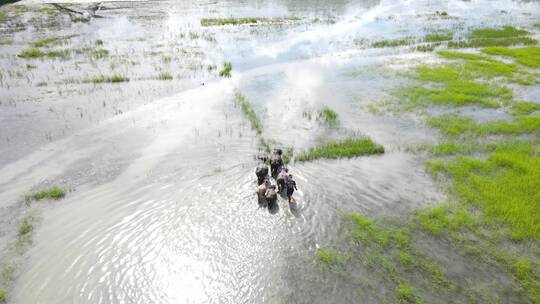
(271, 197)
(275, 164)
(262, 173)
(291, 186)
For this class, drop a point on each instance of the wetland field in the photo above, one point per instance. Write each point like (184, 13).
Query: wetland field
(130, 132)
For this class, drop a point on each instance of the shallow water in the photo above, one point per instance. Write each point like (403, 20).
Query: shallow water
(162, 206)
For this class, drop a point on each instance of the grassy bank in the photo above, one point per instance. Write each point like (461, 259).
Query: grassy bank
(349, 147)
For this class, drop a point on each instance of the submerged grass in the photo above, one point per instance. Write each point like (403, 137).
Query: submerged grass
(52, 193)
(164, 76)
(328, 257)
(228, 21)
(328, 116)
(108, 79)
(524, 107)
(349, 147)
(391, 43)
(438, 37)
(37, 53)
(249, 113)
(47, 42)
(226, 71)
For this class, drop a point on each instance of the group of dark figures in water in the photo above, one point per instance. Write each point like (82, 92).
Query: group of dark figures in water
(266, 190)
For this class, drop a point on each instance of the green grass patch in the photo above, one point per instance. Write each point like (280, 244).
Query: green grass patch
(47, 42)
(478, 43)
(3, 16)
(391, 43)
(99, 42)
(454, 126)
(249, 113)
(506, 185)
(226, 71)
(108, 79)
(328, 116)
(3, 294)
(524, 107)
(328, 257)
(52, 193)
(458, 93)
(527, 56)
(228, 21)
(493, 33)
(349, 147)
(288, 155)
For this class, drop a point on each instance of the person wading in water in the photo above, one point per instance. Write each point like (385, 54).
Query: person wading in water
(276, 162)
(291, 186)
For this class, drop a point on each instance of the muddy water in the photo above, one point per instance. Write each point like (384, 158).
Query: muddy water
(162, 206)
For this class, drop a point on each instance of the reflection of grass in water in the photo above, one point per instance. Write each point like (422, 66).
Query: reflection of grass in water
(328, 257)
(390, 43)
(226, 71)
(110, 79)
(527, 56)
(328, 116)
(349, 147)
(228, 21)
(248, 111)
(52, 193)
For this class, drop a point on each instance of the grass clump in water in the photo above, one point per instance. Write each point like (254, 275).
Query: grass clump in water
(52, 193)
(99, 42)
(328, 116)
(164, 76)
(407, 294)
(349, 147)
(248, 111)
(527, 56)
(328, 257)
(390, 43)
(228, 21)
(47, 42)
(454, 126)
(108, 79)
(25, 228)
(37, 53)
(226, 71)
(438, 37)
(99, 54)
(524, 107)
(488, 37)
(3, 16)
